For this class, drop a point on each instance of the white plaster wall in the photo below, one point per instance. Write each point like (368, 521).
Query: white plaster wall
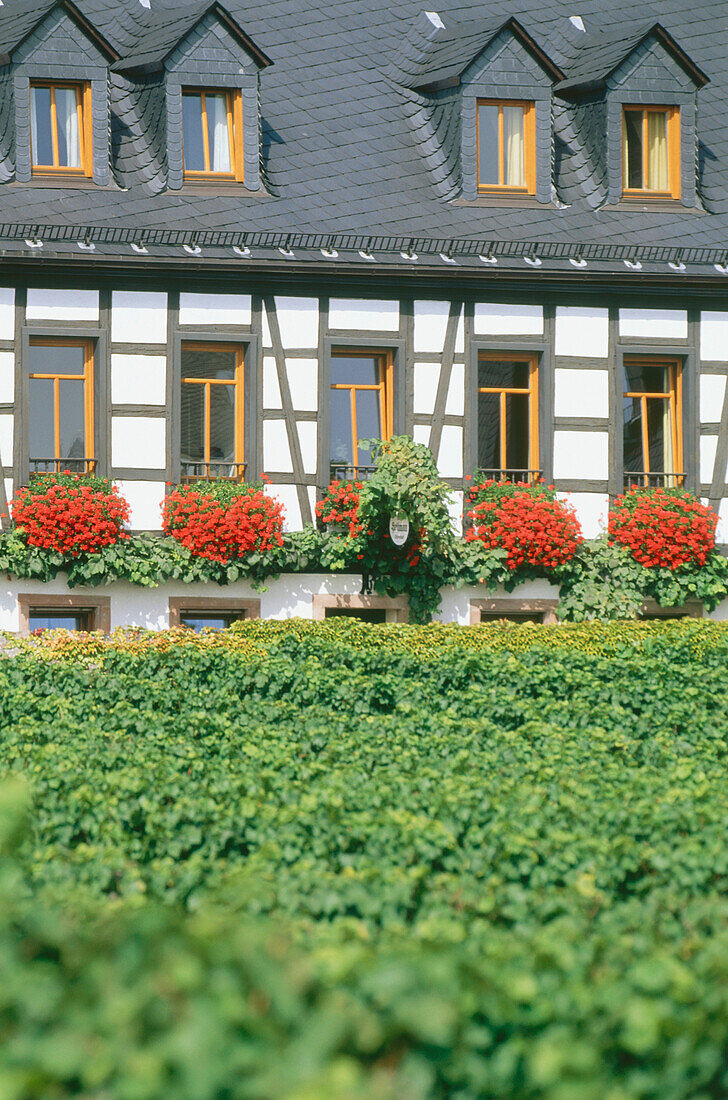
(138, 441)
(138, 379)
(267, 339)
(367, 314)
(8, 489)
(307, 437)
(708, 447)
(276, 450)
(430, 322)
(7, 377)
(668, 323)
(7, 313)
(215, 309)
(581, 392)
(508, 320)
(455, 510)
(582, 331)
(714, 336)
(712, 392)
(145, 499)
(271, 389)
(6, 439)
(455, 404)
(721, 531)
(426, 378)
(62, 305)
(421, 434)
(138, 317)
(450, 458)
(298, 320)
(455, 602)
(288, 496)
(303, 383)
(592, 510)
(581, 455)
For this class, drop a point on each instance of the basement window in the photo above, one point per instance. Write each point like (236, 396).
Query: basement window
(651, 152)
(212, 134)
(48, 612)
(60, 129)
(208, 613)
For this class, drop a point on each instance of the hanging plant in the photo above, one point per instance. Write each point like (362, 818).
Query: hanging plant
(338, 509)
(665, 528)
(69, 513)
(538, 531)
(223, 520)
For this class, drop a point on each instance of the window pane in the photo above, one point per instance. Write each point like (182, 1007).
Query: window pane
(60, 359)
(632, 436)
(192, 441)
(57, 620)
(514, 153)
(504, 374)
(194, 157)
(517, 431)
(366, 614)
(645, 378)
(198, 621)
(356, 369)
(659, 435)
(41, 431)
(222, 423)
(217, 127)
(208, 363)
(40, 125)
(632, 154)
(489, 431)
(488, 154)
(69, 149)
(368, 420)
(341, 428)
(71, 411)
(657, 173)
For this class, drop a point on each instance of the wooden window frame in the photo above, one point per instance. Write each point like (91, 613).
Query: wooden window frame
(673, 152)
(238, 382)
(674, 395)
(209, 605)
(234, 99)
(532, 391)
(529, 147)
(506, 607)
(97, 607)
(85, 130)
(385, 386)
(88, 379)
(395, 608)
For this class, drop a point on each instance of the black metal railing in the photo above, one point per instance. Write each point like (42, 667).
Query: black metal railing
(346, 471)
(62, 465)
(530, 477)
(212, 471)
(643, 480)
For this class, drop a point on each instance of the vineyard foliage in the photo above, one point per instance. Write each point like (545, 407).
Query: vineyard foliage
(348, 862)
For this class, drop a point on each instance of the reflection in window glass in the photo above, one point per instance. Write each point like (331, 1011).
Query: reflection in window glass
(40, 126)
(197, 620)
(41, 425)
(71, 418)
(58, 620)
(366, 614)
(60, 394)
(506, 389)
(650, 423)
(209, 404)
(488, 144)
(358, 405)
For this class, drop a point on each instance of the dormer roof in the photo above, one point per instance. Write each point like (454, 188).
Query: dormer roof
(159, 35)
(450, 49)
(599, 58)
(19, 19)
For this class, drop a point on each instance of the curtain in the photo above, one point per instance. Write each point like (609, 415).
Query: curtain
(514, 152)
(69, 148)
(34, 124)
(657, 174)
(217, 126)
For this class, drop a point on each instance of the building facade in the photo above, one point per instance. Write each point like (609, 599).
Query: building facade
(238, 239)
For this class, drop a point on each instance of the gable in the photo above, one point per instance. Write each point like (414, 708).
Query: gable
(650, 68)
(59, 44)
(210, 48)
(506, 64)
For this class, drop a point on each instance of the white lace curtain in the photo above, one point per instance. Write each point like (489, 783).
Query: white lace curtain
(219, 135)
(514, 153)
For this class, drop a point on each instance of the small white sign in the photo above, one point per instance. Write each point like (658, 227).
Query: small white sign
(399, 530)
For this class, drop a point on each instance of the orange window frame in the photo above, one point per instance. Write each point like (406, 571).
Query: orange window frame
(234, 104)
(531, 391)
(85, 129)
(674, 396)
(88, 392)
(237, 382)
(385, 388)
(673, 151)
(529, 145)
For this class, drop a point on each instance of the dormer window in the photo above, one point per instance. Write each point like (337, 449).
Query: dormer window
(506, 146)
(59, 116)
(651, 151)
(212, 134)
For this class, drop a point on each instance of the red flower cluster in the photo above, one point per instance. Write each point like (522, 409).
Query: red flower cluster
(341, 505)
(70, 515)
(663, 528)
(535, 529)
(221, 529)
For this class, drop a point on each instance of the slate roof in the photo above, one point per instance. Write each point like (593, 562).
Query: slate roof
(342, 155)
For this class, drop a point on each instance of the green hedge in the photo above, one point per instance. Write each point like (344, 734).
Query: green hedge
(327, 861)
